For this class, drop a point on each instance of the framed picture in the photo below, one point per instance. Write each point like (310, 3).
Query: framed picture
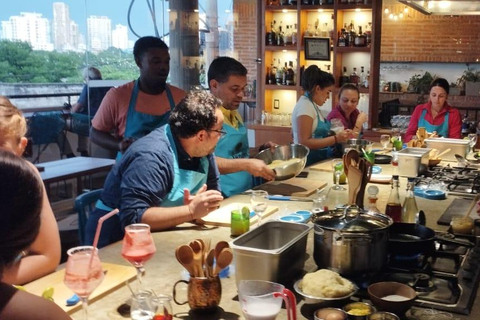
(317, 48)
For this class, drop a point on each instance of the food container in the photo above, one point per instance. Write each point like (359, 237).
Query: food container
(351, 242)
(330, 313)
(462, 224)
(413, 161)
(285, 153)
(275, 252)
(457, 146)
(358, 310)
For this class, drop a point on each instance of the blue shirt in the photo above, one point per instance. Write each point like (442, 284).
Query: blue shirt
(96, 97)
(144, 176)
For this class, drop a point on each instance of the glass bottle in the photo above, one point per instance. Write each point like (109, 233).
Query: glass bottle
(410, 209)
(344, 78)
(354, 78)
(372, 199)
(362, 77)
(294, 35)
(394, 208)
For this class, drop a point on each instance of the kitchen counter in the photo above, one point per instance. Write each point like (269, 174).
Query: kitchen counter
(163, 270)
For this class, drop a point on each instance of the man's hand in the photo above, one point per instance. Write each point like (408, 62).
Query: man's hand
(258, 168)
(202, 202)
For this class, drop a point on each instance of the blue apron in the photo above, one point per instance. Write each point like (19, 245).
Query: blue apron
(140, 124)
(321, 131)
(192, 180)
(234, 145)
(442, 129)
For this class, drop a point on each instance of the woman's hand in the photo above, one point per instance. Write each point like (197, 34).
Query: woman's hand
(202, 202)
(344, 135)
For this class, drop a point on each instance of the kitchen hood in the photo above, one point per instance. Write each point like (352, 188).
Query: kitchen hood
(443, 7)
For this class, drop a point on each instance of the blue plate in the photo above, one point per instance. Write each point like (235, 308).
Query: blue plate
(292, 218)
(430, 194)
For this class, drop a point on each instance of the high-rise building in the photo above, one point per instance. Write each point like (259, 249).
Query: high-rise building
(120, 37)
(62, 39)
(29, 27)
(99, 30)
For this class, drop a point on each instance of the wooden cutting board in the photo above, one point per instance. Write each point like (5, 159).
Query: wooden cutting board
(221, 216)
(322, 166)
(296, 187)
(115, 277)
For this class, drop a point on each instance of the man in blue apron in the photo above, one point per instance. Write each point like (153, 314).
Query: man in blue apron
(134, 109)
(167, 177)
(227, 79)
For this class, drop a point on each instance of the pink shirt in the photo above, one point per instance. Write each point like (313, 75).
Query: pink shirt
(337, 113)
(454, 120)
(112, 113)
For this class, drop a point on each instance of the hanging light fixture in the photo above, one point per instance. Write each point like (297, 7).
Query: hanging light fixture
(396, 14)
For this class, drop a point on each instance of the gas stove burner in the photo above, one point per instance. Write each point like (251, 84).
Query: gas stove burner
(422, 283)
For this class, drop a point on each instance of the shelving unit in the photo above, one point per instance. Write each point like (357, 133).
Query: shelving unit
(270, 96)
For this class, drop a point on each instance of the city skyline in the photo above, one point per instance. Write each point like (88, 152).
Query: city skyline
(115, 10)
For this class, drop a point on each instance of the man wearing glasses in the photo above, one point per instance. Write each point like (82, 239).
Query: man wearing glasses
(227, 79)
(167, 177)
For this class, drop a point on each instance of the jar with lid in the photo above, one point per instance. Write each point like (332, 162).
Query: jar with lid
(372, 199)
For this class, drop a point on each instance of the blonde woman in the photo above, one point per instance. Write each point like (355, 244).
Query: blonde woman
(43, 256)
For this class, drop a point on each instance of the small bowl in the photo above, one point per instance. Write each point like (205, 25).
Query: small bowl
(330, 313)
(434, 162)
(462, 225)
(358, 310)
(382, 315)
(308, 299)
(392, 296)
(291, 218)
(304, 213)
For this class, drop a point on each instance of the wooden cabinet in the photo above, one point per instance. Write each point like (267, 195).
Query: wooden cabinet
(324, 21)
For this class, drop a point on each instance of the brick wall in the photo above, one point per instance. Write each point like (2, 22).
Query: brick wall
(424, 38)
(245, 35)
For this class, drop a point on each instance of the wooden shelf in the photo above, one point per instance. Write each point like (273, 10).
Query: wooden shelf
(281, 48)
(279, 87)
(351, 49)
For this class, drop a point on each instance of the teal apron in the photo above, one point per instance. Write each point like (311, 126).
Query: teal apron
(322, 131)
(234, 145)
(192, 180)
(442, 129)
(140, 124)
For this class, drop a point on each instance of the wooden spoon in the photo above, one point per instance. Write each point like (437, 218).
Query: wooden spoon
(209, 263)
(197, 257)
(443, 152)
(184, 255)
(219, 247)
(224, 259)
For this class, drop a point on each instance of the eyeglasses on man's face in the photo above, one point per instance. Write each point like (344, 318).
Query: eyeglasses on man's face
(221, 132)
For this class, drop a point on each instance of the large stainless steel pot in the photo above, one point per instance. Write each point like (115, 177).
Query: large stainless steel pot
(350, 241)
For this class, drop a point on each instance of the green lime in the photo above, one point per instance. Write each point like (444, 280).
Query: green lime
(48, 293)
(246, 212)
(398, 145)
(339, 166)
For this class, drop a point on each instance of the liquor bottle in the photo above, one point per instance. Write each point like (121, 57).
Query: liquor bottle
(306, 2)
(360, 38)
(280, 35)
(351, 34)
(344, 78)
(410, 209)
(290, 74)
(285, 73)
(362, 77)
(273, 74)
(270, 39)
(279, 74)
(394, 208)
(317, 31)
(342, 41)
(354, 78)
(294, 35)
(288, 37)
(367, 80)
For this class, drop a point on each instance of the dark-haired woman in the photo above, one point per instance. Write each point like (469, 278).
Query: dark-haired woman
(436, 115)
(346, 110)
(21, 198)
(309, 126)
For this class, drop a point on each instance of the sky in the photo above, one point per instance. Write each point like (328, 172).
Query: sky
(116, 10)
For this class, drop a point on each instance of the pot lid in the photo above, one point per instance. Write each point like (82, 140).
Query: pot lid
(355, 220)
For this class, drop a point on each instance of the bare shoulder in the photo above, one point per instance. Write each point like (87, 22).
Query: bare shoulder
(38, 308)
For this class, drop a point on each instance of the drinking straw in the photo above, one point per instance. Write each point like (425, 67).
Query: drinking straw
(99, 225)
(97, 233)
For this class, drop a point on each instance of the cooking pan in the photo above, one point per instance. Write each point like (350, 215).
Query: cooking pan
(410, 239)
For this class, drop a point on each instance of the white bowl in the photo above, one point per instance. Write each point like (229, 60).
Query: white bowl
(316, 300)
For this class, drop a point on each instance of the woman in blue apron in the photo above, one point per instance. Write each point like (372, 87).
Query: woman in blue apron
(139, 124)
(317, 85)
(436, 115)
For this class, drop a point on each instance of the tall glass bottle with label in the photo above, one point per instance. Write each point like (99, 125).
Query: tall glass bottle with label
(394, 208)
(410, 209)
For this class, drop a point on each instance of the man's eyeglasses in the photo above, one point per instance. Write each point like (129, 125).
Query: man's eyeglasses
(221, 131)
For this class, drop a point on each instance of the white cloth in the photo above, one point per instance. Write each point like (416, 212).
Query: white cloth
(304, 107)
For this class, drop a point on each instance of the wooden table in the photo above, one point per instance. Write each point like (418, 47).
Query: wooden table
(73, 168)
(163, 270)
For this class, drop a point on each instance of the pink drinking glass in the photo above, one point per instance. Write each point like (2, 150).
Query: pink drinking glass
(83, 273)
(138, 247)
